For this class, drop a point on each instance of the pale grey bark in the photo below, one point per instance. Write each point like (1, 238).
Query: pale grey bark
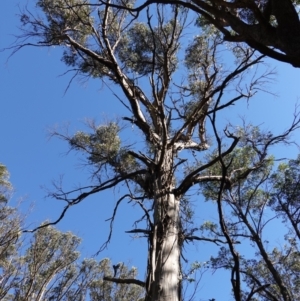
(164, 271)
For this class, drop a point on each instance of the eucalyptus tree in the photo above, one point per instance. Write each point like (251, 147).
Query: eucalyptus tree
(173, 91)
(50, 269)
(50, 252)
(258, 220)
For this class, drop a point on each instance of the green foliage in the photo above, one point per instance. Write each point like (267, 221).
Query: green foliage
(286, 262)
(72, 16)
(140, 43)
(246, 211)
(187, 210)
(284, 196)
(200, 60)
(286, 183)
(126, 161)
(195, 267)
(50, 268)
(87, 66)
(49, 255)
(102, 146)
(5, 186)
(10, 224)
(101, 290)
(242, 168)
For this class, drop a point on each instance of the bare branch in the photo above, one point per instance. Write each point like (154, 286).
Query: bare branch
(125, 280)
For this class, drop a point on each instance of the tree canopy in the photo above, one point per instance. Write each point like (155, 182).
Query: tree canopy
(269, 26)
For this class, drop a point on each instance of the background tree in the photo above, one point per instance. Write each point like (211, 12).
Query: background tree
(144, 57)
(9, 235)
(48, 266)
(249, 205)
(51, 269)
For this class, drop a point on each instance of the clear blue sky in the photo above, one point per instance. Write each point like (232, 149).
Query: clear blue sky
(33, 100)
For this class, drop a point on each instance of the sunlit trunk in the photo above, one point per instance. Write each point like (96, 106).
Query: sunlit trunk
(164, 273)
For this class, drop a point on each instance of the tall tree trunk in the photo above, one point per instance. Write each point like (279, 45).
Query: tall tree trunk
(164, 272)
